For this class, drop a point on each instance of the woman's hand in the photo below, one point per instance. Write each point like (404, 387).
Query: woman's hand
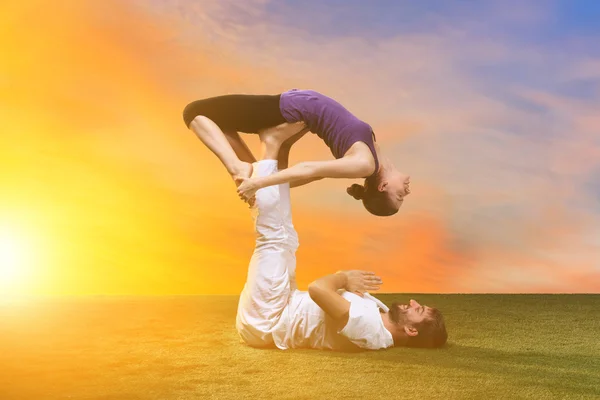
(360, 282)
(247, 188)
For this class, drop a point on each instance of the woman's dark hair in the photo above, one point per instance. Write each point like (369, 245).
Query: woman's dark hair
(376, 202)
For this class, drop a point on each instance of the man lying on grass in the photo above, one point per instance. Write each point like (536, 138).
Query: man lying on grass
(336, 313)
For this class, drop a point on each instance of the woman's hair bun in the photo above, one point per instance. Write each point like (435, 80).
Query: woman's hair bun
(357, 191)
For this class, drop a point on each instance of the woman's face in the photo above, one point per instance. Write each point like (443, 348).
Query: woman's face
(397, 188)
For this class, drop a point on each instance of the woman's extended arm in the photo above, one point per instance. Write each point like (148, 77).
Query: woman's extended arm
(282, 163)
(351, 167)
(284, 155)
(302, 182)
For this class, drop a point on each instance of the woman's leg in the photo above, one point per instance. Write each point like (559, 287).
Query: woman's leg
(217, 120)
(239, 147)
(211, 135)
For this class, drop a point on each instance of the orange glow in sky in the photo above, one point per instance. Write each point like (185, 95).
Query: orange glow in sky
(104, 191)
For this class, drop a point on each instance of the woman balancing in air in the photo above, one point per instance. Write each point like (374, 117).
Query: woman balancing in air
(284, 119)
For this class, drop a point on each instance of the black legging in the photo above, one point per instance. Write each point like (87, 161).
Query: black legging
(237, 112)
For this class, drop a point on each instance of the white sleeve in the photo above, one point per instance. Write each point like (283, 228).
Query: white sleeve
(365, 327)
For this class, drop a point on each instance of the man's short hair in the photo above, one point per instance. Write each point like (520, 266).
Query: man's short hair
(432, 331)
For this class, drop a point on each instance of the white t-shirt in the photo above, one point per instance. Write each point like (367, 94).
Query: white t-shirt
(304, 324)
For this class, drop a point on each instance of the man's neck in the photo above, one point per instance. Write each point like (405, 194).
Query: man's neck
(391, 327)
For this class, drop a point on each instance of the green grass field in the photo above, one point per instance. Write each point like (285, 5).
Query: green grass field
(500, 347)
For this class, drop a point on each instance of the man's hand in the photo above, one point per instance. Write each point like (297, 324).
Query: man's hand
(360, 282)
(323, 291)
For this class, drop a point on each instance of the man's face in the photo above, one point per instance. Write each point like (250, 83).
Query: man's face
(410, 314)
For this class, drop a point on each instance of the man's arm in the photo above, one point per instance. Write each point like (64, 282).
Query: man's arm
(323, 291)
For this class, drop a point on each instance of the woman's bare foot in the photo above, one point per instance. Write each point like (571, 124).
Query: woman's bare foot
(243, 170)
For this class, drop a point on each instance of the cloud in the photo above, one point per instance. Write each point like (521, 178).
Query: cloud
(500, 141)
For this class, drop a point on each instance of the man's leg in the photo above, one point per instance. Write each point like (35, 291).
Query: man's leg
(286, 206)
(268, 287)
(292, 242)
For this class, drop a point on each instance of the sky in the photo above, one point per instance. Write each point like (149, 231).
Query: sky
(490, 106)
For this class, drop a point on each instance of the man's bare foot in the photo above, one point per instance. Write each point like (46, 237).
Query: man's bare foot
(244, 171)
(280, 133)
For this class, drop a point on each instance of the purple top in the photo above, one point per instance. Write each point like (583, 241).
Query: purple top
(329, 120)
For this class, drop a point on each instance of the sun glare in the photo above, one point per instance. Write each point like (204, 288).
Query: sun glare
(9, 258)
(13, 254)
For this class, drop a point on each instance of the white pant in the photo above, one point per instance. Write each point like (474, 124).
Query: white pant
(272, 271)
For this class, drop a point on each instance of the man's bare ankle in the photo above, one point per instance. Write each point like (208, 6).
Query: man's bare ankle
(269, 139)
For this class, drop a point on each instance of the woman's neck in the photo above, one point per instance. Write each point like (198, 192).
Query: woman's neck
(384, 162)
